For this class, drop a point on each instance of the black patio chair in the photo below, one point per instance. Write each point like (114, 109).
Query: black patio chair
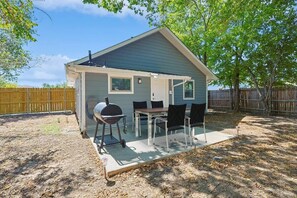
(196, 119)
(139, 105)
(157, 104)
(175, 121)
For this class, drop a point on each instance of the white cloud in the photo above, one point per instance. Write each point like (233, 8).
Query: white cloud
(79, 6)
(48, 69)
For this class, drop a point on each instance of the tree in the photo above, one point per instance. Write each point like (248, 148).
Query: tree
(271, 57)
(6, 84)
(16, 18)
(59, 85)
(16, 29)
(205, 27)
(13, 58)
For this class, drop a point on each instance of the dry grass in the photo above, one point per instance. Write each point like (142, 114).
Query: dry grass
(45, 156)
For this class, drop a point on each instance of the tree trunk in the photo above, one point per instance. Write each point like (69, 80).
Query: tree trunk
(205, 58)
(231, 98)
(266, 100)
(236, 85)
(265, 95)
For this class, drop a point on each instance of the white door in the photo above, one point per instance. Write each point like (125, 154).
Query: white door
(159, 90)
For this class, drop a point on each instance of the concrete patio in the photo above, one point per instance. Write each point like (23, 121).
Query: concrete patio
(137, 151)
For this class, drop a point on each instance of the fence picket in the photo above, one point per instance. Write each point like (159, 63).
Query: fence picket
(30, 100)
(284, 100)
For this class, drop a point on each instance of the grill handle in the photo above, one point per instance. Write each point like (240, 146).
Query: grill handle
(107, 101)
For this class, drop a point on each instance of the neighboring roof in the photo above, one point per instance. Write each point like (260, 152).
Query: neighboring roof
(170, 37)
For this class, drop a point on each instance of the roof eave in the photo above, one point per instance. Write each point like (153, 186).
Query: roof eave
(102, 69)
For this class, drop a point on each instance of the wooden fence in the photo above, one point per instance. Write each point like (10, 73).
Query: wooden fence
(284, 100)
(32, 100)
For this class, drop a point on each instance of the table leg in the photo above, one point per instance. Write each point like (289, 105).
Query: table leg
(136, 124)
(149, 129)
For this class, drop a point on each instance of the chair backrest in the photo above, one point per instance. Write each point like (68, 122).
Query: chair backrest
(176, 115)
(197, 113)
(139, 105)
(157, 104)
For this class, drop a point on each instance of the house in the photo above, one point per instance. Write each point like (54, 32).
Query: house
(155, 65)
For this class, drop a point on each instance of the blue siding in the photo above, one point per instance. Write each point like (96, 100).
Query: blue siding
(156, 54)
(97, 86)
(153, 53)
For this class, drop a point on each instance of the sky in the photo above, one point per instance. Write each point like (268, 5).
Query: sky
(67, 31)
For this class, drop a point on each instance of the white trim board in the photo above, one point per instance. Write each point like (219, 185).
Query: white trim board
(73, 71)
(124, 76)
(102, 69)
(193, 98)
(83, 102)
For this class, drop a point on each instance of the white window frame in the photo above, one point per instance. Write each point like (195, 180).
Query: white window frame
(110, 91)
(193, 98)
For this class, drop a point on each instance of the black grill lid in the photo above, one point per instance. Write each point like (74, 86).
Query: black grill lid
(108, 112)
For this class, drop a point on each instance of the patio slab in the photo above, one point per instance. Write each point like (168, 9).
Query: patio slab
(137, 152)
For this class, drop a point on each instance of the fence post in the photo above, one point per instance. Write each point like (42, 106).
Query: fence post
(230, 99)
(49, 99)
(64, 99)
(28, 98)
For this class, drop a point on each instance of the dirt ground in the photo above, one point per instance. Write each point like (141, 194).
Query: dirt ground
(45, 156)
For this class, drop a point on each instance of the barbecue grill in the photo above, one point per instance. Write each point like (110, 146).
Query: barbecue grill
(108, 113)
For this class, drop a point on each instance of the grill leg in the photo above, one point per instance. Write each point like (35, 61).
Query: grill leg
(96, 130)
(102, 140)
(110, 131)
(120, 138)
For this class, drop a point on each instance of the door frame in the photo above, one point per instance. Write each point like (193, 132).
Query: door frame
(166, 89)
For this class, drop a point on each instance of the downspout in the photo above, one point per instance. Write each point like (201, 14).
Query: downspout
(206, 97)
(206, 94)
(81, 116)
(83, 101)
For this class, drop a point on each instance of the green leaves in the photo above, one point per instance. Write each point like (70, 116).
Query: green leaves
(16, 17)
(58, 85)
(16, 28)
(12, 56)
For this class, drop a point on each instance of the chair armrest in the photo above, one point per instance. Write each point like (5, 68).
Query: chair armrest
(159, 118)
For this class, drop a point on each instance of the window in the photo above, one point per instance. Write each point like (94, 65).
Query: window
(189, 90)
(120, 85)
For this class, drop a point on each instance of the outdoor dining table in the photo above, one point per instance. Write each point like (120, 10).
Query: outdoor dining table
(150, 112)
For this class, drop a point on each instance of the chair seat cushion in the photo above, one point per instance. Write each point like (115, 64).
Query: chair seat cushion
(162, 125)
